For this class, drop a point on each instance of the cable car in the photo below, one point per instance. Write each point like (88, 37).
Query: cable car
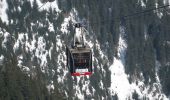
(79, 55)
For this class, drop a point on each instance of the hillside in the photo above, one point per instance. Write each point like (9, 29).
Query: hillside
(131, 51)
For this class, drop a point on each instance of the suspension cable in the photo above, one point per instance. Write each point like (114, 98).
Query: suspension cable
(37, 9)
(134, 14)
(12, 1)
(148, 10)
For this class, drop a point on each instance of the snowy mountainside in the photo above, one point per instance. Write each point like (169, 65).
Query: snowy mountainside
(37, 36)
(120, 84)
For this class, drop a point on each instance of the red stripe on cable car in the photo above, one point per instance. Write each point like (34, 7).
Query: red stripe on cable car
(78, 74)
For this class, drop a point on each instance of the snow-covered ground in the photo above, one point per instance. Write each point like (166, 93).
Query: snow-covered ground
(119, 80)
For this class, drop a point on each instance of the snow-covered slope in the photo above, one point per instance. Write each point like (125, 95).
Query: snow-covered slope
(120, 84)
(39, 46)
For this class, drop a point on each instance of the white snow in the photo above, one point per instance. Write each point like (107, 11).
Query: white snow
(21, 38)
(53, 72)
(19, 8)
(59, 42)
(90, 43)
(51, 48)
(61, 59)
(168, 43)
(84, 89)
(78, 93)
(1, 59)
(3, 8)
(30, 46)
(6, 37)
(165, 2)
(16, 46)
(26, 69)
(70, 17)
(50, 87)
(65, 25)
(20, 58)
(158, 86)
(158, 12)
(101, 84)
(119, 80)
(1, 33)
(122, 45)
(20, 65)
(51, 27)
(85, 86)
(35, 47)
(41, 52)
(141, 2)
(145, 32)
(102, 55)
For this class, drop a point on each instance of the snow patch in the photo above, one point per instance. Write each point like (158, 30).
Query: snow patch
(30, 46)
(78, 90)
(165, 2)
(168, 43)
(34, 47)
(6, 37)
(1, 59)
(26, 69)
(141, 2)
(59, 43)
(51, 48)
(51, 27)
(41, 52)
(1, 33)
(19, 8)
(20, 65)
(3, 8)
(85, 87)
(158, 12)
(20, 58)
(119, 80)
(61, 59)
(99, 49)
(145, 33)
(65, 24)
(50, 87)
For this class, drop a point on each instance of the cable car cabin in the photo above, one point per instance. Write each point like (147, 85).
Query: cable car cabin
(79, 60)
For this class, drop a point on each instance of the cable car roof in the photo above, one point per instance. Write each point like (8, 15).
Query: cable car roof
(85, 50)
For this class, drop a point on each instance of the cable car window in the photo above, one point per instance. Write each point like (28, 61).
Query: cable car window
(81, 60)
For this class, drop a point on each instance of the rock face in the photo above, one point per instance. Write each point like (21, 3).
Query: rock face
(131, 55)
